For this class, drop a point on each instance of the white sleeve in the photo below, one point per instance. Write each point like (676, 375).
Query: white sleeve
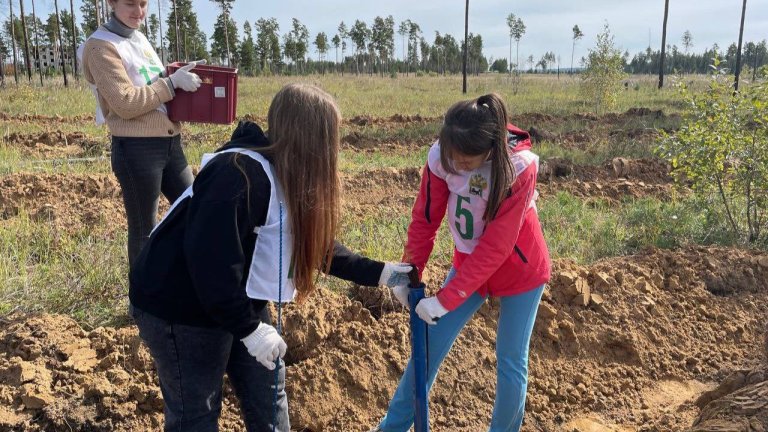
(433, 160)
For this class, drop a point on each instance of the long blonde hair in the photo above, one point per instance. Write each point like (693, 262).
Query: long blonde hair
(304, 145)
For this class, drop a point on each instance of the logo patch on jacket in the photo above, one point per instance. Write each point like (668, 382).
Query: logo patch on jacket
(477, 184)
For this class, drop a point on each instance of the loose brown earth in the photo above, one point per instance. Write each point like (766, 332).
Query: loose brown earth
(664, 340)
(56, 144)
(72, 201)
(633, 343)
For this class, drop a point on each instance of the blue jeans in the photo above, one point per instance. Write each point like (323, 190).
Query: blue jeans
(516, 320)
(146, 167)
(191, 362)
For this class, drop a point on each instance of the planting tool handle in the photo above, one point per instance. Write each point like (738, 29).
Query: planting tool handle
(420, 358)
(413, 277)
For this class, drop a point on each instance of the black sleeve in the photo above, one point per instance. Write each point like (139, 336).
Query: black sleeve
(222, 215)
(350, 266)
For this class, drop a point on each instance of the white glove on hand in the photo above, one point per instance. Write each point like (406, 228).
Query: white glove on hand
(395, 276)
(186, 80)
(430, 310)
(266, 345)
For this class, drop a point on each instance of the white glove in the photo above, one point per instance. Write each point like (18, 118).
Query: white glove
(186, 80)
(401, 294)
(395, 276)
(266, 345)
(430, 310)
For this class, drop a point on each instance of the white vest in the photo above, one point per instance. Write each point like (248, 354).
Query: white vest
(468, 196)
(264, 275)
(140, 60)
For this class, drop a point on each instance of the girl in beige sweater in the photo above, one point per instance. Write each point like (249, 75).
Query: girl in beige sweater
(127, 77)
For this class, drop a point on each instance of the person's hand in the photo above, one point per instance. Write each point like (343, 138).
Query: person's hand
(430, 310)
(401, 294)
(186, 80)
(395, 276)
(266, 345)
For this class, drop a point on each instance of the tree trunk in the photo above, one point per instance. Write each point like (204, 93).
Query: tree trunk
(509, 66)
(738, 49)
(573, 50)
(74, 41)
(176, 18)
(61, 43)
(38, 61)
(27, 60)
(226, 37)
(2, 71)
(162, 44)
(466, 48)
(13, 46)
(664, 44)
(98, 12)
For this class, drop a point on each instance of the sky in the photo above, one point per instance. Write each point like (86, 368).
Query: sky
(548, 22)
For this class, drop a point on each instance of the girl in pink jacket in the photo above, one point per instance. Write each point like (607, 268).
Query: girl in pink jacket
(481, 172)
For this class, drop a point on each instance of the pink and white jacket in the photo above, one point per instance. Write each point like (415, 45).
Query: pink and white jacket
(504, 257)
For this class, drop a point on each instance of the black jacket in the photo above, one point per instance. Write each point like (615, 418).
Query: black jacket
(194, 268)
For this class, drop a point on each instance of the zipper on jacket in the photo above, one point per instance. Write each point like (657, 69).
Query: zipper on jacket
(520, 254)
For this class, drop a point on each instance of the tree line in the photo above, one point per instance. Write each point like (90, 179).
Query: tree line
(259, 47)
(754, 56)
(47, 45)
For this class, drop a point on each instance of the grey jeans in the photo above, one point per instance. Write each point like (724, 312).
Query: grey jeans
(191, 362)
(146, 167)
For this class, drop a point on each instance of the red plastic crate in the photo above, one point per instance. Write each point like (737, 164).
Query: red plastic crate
(214, 102)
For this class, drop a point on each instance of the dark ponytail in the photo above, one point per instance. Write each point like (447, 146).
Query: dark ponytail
(476, 127)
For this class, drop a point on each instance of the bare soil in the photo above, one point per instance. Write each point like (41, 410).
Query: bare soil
(635, 343)
(57, 144)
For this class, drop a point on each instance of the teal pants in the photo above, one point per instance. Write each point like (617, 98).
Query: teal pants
(516, 319)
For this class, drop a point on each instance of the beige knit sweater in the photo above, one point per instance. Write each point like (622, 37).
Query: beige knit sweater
(129, 111)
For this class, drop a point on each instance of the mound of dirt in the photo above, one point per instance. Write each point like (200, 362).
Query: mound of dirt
(57, 144)
(615, 179)
(629, 341)
(70, 201)
(740, 403)
(45, 119)
(610, 190)
(374, 191)
(367, 120)
(360, 141)
(646, 170)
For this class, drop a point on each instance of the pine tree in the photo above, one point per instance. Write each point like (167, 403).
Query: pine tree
(224, 37)
(89, 17)
(248, 62)
(189, 27)
(153, 24)
(321, 44)
(268, 44)
(577, 34)
(359, 34)
(226, 8)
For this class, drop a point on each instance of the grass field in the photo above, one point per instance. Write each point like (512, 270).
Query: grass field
(84, 267)
(676, 301)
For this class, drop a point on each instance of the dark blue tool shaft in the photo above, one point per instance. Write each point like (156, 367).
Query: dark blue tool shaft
(419, 358)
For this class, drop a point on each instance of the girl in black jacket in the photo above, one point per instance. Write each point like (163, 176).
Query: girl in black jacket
(256, 225)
